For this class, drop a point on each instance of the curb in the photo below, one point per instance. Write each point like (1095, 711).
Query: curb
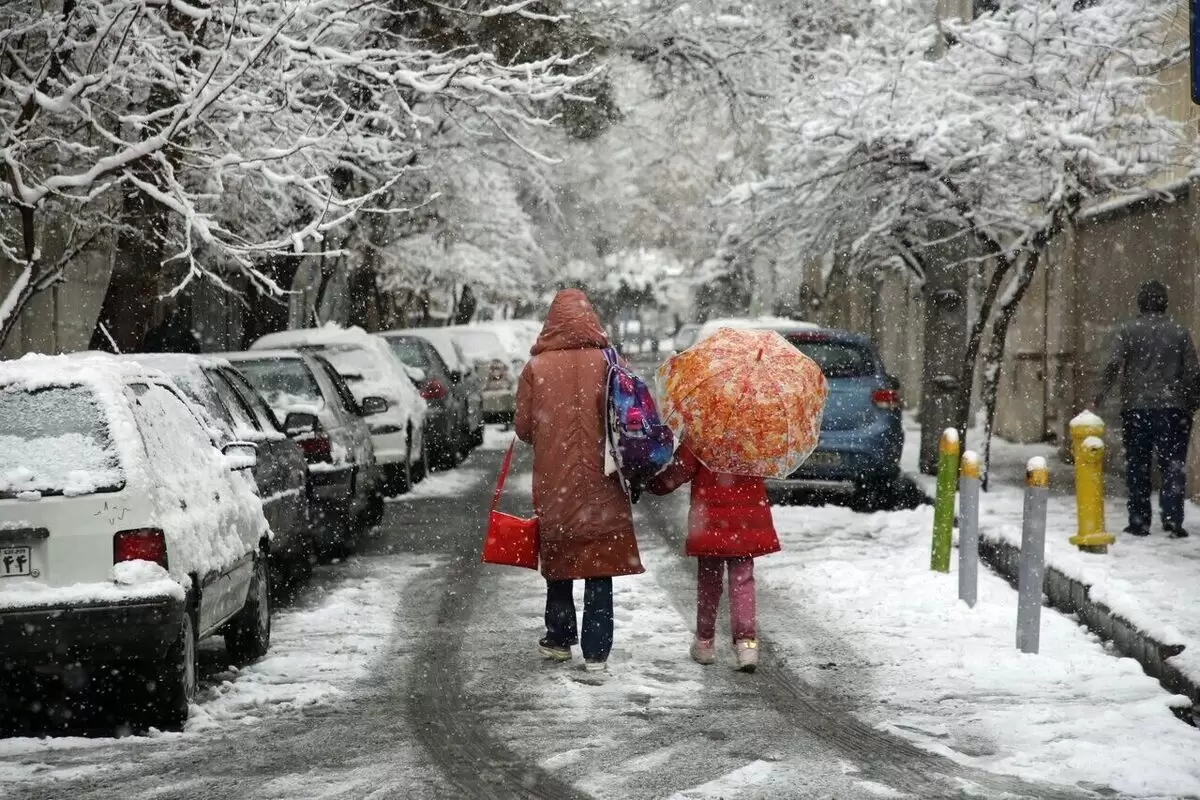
(1070, 596)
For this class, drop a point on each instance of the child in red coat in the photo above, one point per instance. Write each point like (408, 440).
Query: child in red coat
(729, 524)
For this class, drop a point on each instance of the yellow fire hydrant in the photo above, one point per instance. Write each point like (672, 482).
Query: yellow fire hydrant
(1087, 445)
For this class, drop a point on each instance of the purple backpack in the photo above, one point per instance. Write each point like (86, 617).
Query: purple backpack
(641, 444)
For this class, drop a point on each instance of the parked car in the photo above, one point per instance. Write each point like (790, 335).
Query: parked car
(232, 408)
(464, 379)
(384, 390)
(493, 365)
(685, 337)
(126, 535)
(861, 432)
(517, 336)
(321, 415)
(446, 421)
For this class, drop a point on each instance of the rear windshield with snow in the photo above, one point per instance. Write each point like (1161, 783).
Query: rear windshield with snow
(353, 363)
(283, 382)
(410, 352)
(56, 441)
(836, 359)
(480, 345)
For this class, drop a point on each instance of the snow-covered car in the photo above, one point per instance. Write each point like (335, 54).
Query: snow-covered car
(320, 413)
(777, 324)
(685, 337)
(465, 380)
(126, 535)
(446, 422)
(518, 337)
(237, 413)
(383, 388)
(493, 366)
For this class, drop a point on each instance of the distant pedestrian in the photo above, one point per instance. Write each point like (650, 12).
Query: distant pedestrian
(729, 524)
(466, 306)
(1155, 359)
(584, 516)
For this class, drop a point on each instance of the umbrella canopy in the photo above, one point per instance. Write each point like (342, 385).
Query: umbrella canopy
(750, 402)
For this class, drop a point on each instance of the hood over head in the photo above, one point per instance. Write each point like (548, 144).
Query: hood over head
(571, 324)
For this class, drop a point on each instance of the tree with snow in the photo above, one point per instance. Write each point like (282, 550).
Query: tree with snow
(210, 138)
(989, 149)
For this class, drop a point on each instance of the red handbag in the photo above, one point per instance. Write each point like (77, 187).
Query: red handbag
(511, 541)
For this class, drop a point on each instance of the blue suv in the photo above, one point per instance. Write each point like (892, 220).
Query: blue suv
(861, 431)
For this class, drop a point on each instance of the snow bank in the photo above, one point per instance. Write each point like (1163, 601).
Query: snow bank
(454, 483)
(318, 652)
(949, 677)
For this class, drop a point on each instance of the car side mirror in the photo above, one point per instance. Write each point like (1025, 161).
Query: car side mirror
(373, 405)
(240, 455)
(299, 423)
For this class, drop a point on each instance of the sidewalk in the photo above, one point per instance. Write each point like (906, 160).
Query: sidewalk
(1143, 596)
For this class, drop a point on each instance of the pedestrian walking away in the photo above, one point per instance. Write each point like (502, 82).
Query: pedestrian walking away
(585, 519)
(1155, 360)
(729, 525)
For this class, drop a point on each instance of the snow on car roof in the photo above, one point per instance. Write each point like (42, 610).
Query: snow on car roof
(754, 323)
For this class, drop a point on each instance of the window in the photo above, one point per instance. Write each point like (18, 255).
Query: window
(56, 441)
(410, 352)
(836, 359)
(339, 386)
(262, 412)
(283, 381)
(244, 422)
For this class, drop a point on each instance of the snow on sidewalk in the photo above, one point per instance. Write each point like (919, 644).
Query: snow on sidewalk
(1151, 583)
(950, 679)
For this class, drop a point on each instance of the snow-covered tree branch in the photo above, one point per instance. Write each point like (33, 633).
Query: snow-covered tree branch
(246, 129)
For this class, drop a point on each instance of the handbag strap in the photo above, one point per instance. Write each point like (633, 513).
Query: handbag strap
(504, 466)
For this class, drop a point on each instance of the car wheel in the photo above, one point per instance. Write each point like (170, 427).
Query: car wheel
(420, 470)
(874, 496)
(170, 684)
(248, 636)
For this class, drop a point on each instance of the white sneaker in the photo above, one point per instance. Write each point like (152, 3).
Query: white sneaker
(704, 651)
(747, 655)
(595, 666)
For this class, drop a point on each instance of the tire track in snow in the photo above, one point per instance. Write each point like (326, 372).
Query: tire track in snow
(828, 716)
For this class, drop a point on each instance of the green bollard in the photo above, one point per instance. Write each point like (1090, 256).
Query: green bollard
(943, 506)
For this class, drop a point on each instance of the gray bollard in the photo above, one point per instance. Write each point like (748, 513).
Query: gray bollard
(968, 529)
(1033, 557)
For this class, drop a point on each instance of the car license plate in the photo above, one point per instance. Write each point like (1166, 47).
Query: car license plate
(823, 460)
(15, 562)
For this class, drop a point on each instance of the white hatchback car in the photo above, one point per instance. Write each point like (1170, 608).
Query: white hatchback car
(125, 535)
(373, 372)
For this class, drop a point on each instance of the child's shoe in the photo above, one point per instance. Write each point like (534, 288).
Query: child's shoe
(553, 651)
(704, 651)
(746, 651)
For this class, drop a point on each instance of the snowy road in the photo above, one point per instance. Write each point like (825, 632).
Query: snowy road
(409, 672)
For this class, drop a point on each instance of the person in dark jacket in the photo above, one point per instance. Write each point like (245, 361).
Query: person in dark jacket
(1155, 359)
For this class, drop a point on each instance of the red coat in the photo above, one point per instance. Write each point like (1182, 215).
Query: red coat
(730, 515)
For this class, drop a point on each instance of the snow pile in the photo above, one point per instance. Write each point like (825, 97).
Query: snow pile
(949, 677)
(125, 586)
(454, 483)
(317, 652)
(496, 438)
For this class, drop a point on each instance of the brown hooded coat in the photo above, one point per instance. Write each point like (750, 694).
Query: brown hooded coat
(584, 516)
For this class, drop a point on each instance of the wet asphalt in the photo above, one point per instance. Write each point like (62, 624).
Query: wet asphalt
(425, 725)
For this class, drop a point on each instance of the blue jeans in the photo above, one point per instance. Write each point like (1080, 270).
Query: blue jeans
(1165, 432)
(597, 616)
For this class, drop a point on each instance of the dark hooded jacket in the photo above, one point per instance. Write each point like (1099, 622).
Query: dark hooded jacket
(584, 516)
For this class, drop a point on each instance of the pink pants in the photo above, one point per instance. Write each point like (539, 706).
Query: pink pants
(741, 596)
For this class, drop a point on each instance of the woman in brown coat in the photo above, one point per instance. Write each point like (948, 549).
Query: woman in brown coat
(584, 516)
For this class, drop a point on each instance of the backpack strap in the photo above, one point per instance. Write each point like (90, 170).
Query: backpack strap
(504, 467)
(611, 356)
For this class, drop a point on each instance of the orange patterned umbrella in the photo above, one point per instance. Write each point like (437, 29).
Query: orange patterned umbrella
(750, 402)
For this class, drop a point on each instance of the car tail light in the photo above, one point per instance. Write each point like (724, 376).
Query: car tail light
(887, 399)
(316, 447)
(141, 544)
(434, 390)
